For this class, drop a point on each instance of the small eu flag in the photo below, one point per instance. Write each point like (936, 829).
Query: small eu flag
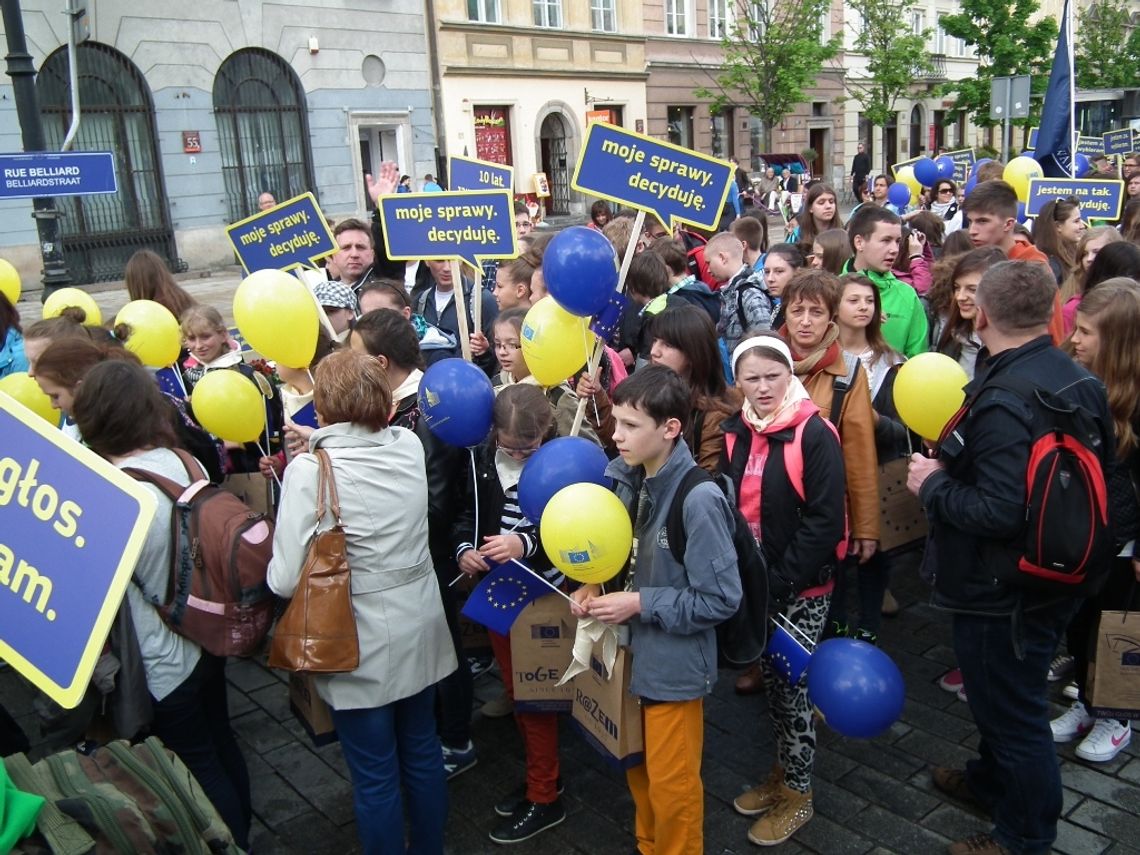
(787, 656)
(605, 322)
(170, 382)
(502, 595)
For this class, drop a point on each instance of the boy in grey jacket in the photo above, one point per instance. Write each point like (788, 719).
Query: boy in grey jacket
(672, 609)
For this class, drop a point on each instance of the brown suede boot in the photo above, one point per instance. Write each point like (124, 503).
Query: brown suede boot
(761, 798)
(750, 682)
(790, 813)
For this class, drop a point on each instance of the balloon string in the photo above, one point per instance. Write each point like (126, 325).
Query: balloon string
(272, 471)
(589, 357)
(178, 377)
(475, 492)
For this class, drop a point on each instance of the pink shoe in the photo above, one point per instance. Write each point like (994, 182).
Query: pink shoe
(951, 681)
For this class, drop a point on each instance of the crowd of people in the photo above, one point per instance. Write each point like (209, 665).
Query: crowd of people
(770, 364)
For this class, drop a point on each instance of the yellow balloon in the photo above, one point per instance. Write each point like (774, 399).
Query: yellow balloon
(928, 392)
(277, 314)
(1018, 172)
(586, 532)
(28, 392)
(155, 336)
(9, 281)
(64, 297)
(229, 405)
(906, 176)
(554, 342)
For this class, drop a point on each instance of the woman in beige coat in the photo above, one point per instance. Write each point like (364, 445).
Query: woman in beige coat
(383, 711)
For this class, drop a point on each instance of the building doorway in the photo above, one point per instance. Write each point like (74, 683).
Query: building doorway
(555, 162)
(916, 135)
(818, 140)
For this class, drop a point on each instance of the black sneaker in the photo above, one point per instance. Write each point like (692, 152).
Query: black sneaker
(517, 799)
(867, 636)
(529, 820)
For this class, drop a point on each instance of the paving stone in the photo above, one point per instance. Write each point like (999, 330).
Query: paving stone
(954, 823)
(313, 832)
(933, 720)
(888, 759)
(1100, 786)
(882, 826)
(323, 788)
(823, 835)
(247, 675)
(1107, 820)
(835, 802)
(260, 732)
(274, 700)
(891, 793)
(934, 750)
(1074, 840)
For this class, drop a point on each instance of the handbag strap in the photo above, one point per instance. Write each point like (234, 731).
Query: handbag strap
(326, 484)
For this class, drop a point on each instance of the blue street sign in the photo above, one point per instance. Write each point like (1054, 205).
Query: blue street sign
(469, 225)
(466, 173)
(672, 183)
(72, 173)
(71, 529)
(1100, 199)
(292, 234)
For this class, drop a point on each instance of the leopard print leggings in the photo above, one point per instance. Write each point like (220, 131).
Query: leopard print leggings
(789, 706)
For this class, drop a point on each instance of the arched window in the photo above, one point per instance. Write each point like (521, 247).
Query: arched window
(916, 135)
(100, 233)
(260, 110)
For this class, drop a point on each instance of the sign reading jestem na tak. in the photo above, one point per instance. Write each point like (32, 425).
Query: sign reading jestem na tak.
(674, 184)
(469, 225)
(467, 173)
(292, 234)
(1100, 199)
(72, 173)
(71, 529)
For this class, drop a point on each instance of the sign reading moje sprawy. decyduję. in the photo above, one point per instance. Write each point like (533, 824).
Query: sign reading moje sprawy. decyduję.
(71, 529)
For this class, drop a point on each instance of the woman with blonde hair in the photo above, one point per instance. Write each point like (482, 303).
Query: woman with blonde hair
(1106, 341)
(1091, 242)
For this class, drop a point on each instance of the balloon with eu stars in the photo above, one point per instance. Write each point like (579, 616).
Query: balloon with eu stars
(456, 399)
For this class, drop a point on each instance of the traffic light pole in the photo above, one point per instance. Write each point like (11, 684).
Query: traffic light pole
(44, 211)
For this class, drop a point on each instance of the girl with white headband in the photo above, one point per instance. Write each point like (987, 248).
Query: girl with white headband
(785, 462)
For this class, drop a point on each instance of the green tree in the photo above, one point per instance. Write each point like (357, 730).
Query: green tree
(894, 61)
(1107, 53)
(772, 53)
(1006, 44)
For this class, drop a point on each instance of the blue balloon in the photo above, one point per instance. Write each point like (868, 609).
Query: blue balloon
(456, 400)
(945, 166)
(580, 269)
(1021, 215)
(898, 194)
(925, 171)
(559, 463)
(1083, 165)
(856, 687)
(971, 183)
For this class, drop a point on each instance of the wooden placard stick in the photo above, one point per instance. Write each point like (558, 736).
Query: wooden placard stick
(477, 296)
(460, 310)
(599, 346)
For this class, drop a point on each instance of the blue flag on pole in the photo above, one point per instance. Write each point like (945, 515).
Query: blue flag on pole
(1055, 136)
(502, 595)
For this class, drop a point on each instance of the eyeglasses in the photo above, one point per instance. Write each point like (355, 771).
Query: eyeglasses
(944, 190)
(520, 452)
(505, 345)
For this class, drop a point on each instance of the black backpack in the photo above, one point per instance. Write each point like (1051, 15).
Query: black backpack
(1068, 545)
(740, 639)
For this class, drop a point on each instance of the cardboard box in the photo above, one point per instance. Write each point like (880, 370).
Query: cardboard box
(902, 522)
(606, 714)
(542, 644)
(311, 711)
(472, 635)
(253, 489)
(1113, 686)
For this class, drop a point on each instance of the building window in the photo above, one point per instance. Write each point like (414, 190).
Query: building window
(484, 11)
(756, 140)
(260, 109)
(681, 126)
(825, 25)
(940, 38)
(548, 13)
(719, 11)
(677, 17)
(721, 126)
(603, 15)
(917, 22)
(493, 134)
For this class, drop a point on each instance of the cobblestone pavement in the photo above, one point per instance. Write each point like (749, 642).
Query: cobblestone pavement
(870, 796)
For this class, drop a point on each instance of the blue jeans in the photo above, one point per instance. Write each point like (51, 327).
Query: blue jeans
(1016, 776)
(386, 748)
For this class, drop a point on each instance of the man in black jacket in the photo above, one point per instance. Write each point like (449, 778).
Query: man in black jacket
(860, 169)
(975, 498)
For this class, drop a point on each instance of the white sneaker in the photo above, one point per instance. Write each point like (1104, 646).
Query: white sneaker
(1075, 722)
(1071, 691)
(1107, 739)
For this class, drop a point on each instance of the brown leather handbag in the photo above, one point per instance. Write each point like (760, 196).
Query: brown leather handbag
(317, 632)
